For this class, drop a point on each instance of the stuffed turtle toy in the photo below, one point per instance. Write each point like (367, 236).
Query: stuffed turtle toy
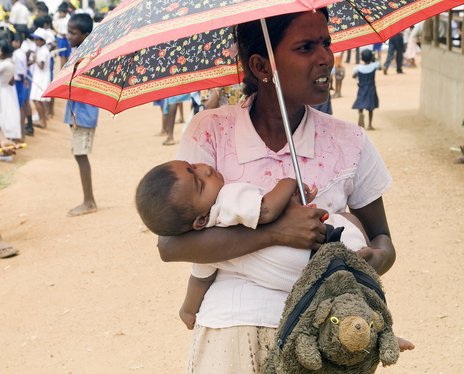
(335, 319)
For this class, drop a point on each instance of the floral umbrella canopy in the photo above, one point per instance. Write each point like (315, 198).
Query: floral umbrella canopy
(148, 50)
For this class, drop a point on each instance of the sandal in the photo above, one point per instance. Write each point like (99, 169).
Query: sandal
(7, 250)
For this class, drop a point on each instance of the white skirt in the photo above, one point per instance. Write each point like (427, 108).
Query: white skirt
(10, 117)
(40, 82)
(232, 350)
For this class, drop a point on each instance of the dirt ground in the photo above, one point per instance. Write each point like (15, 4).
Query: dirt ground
(90, 295)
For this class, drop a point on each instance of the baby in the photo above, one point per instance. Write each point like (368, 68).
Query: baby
(176, 197)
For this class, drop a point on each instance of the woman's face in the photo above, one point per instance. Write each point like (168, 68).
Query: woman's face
(304, 60)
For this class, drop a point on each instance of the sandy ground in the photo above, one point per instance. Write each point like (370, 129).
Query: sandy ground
(90, 294)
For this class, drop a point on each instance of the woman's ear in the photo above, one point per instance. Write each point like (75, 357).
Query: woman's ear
(260, 67)
(200, 222)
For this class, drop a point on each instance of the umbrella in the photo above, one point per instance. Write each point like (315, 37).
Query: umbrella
(148, 50)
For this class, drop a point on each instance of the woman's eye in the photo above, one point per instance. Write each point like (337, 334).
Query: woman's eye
(327, 43)
(305, 47)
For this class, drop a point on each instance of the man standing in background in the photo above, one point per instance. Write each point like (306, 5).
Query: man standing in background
(395, 47)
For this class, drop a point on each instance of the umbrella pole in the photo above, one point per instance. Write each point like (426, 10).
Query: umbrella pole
(283, 110)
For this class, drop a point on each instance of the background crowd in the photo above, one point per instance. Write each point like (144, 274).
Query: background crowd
(33, 44)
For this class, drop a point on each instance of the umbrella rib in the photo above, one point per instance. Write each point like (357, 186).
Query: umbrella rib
(73, 115)
(363, 17)
(123, 84)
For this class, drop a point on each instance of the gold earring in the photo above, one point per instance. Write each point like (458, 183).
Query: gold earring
(265, 80)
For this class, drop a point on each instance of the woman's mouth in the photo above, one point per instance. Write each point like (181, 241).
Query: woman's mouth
(322, 80)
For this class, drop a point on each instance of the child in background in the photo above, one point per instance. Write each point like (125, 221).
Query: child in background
(60, 23)
(10, 119)
(84, 123)
(20, 63)
(41, 75)
(339, 74)
(45, 22)
(29, 48)
(367, 93)
(176, 197)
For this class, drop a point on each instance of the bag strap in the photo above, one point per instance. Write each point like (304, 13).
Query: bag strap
(337, 264)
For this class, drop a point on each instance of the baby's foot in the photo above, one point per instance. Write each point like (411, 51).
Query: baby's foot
(405, 345)
(187, 318)
(84, 208)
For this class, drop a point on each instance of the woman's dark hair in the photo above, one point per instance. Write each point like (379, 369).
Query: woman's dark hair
(251, 41)
(155, 204)
(83, 22)
(6, 48)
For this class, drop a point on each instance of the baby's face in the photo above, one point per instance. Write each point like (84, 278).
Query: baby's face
(197, 185)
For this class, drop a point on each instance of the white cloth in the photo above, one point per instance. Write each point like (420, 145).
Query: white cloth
(19, 14)
(61, 24)
(412, 48)
(240, 203)
(335, 156)
(20, 63)
(87, 10)
(41, 77)
(236, 204)
(51, 38)
(366, 68)
(28, 46)
(9, 105)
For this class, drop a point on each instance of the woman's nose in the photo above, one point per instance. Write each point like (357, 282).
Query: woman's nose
(326, 56)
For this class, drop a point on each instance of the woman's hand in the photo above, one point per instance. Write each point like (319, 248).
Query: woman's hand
(299, 227)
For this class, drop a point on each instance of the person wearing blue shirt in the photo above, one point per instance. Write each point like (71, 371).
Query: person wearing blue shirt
(82, 119)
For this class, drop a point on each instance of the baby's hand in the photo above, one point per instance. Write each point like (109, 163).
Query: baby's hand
(188, 318)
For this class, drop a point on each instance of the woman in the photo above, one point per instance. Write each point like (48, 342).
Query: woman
(247, 143)
(9, 110)
(8, 148)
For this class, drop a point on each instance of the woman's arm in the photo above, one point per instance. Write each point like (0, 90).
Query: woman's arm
(298, 227)
(381, 254)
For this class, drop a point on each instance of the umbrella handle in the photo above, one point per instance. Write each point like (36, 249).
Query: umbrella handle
(283, 110)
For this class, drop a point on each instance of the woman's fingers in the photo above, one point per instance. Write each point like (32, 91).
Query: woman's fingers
(300, 227)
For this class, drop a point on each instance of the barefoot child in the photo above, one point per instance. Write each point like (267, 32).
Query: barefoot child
(41, 77)
(367, 94)
(176, 197)
(83, 127)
